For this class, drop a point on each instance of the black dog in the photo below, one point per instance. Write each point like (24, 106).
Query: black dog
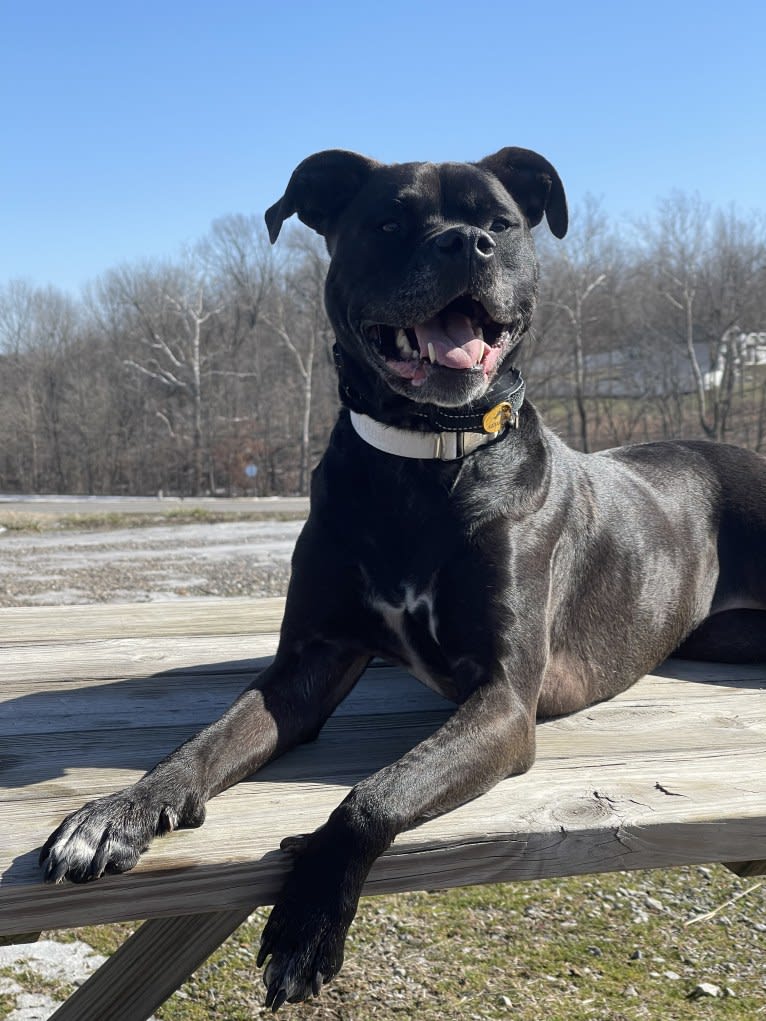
(452, 533)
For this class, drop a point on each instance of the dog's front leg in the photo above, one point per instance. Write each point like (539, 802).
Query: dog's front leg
(490, 736)
(286, 704)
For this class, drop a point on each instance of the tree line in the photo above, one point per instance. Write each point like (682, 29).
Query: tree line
(213, 373)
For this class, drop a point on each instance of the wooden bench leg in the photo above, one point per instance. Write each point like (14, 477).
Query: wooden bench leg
(747, 868)
(19, 937)
(149, 966)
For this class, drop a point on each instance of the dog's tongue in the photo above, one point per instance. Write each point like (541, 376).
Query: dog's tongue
(454, 341)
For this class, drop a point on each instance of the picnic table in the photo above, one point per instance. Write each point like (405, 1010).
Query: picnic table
(671, 772)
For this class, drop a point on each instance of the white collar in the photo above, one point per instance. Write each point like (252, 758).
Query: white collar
(440, 446)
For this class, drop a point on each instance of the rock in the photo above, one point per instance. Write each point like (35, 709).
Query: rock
(505, 1001)
(654, 904)
(33, 1007)
(705, 989)
(70, 963)
(64, 962)
(630, 991)
(672, 975)
(636, 955)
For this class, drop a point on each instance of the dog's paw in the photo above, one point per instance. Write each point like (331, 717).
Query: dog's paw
(305, 935)
(304, 945)
(295, 845)
(108, 835)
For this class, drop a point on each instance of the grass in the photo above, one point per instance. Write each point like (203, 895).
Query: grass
(617, 947)
(29, 521)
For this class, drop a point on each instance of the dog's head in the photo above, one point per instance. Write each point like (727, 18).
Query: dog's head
(433, 275)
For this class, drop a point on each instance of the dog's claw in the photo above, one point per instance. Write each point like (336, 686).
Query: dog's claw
(55, 871)
(295, 844)
(109, 835)
(276, 999)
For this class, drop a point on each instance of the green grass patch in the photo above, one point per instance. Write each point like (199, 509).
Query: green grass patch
(609, 948)
(29, 521)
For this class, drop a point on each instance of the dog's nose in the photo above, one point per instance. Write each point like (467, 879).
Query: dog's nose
(465, 241)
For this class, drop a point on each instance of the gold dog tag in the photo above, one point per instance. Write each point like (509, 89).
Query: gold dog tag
(497, 417)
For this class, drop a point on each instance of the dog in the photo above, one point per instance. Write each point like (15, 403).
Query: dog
(452, 533)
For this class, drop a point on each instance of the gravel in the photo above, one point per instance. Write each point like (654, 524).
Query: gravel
(243, 558)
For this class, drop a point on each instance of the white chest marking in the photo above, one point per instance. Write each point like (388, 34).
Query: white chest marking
(394, 616)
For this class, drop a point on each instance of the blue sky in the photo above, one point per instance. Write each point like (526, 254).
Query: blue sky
(128, 127)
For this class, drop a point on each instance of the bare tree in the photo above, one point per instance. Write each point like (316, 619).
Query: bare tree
(170, 308)
(582, 265)
(176, 376)
(709, 270)
(39, 338)
(297, 320)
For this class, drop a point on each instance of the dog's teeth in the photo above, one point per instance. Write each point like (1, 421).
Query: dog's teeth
(479, 333)
(403, 343)
(431, 353)
(415, 354)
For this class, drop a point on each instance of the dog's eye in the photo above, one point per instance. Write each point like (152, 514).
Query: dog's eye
(390, 226)
(499, 224)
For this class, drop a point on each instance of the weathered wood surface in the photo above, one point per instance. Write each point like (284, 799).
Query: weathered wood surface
(154, 962)
(672, 771)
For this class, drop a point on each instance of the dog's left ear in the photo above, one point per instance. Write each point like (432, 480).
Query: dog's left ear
(534, 185)
(319, 189)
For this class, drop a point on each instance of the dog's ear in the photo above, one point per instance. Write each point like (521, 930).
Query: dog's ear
(319, 189)
(534, 185)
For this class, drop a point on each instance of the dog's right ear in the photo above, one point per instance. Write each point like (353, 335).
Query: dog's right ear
(319, 189)
(534, 184)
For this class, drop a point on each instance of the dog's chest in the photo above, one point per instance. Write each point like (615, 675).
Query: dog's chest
(408, 626)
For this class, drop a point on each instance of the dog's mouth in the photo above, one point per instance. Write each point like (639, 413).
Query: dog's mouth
(462, 337)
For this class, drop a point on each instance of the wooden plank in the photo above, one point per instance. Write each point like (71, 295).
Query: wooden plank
(671, 771)
(90, 741)
(192, 617)
(649, 791)
(585, 832)
(149, 966)
(196, 694)
(134, 657)
(175, 698)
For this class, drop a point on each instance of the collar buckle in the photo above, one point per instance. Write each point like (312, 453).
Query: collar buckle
(449, 446)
